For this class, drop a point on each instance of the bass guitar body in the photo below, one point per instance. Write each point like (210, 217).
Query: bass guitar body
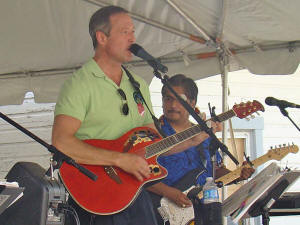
(115, 189)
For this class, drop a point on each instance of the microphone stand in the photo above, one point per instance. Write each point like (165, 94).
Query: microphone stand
(57, 156)
(285, 113)
(192, 112)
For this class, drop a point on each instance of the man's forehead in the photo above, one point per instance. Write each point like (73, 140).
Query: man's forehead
(121, 20)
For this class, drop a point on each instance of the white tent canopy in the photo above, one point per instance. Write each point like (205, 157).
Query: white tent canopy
(43, 41)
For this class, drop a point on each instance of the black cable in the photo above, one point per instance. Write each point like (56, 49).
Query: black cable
(67, 209)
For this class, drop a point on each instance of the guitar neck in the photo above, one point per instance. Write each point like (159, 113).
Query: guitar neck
(228, 178)
(261, 160)
(224, 116)
(167, 143)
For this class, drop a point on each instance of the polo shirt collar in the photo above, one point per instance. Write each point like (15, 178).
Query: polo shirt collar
(98, 72)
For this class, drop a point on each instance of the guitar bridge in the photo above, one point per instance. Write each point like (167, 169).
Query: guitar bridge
(110, 171)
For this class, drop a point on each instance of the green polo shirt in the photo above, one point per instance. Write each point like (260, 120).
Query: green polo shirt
(90, 96)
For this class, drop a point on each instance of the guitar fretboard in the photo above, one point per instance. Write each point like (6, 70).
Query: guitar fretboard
(165, 144)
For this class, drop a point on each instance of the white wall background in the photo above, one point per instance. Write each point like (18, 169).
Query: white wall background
(16, 146)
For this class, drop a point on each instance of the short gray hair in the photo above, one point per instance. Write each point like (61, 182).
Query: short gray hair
(99, 21)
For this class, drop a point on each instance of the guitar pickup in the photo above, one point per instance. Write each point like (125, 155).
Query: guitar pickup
(110, 171)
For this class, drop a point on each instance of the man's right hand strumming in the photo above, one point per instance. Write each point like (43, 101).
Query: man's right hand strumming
(178, 197)
(134, 164)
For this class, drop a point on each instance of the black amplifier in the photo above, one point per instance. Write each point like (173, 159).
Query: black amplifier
(42, 196)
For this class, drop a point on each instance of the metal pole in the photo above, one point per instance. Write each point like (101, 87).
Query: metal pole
(223, 59)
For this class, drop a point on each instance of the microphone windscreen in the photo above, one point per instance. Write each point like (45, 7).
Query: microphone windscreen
(134, 48)
(270, 101)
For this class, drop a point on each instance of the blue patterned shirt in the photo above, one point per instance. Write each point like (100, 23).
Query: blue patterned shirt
(181, 163)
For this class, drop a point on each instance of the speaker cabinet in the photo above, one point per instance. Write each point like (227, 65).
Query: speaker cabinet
(38, 205)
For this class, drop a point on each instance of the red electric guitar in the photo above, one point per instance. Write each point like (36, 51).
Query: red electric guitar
(115, 189)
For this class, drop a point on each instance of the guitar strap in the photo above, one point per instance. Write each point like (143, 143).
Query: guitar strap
(136, 86)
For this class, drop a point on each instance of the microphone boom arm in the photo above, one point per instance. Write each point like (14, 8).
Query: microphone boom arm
(286, 114)
(58, 156)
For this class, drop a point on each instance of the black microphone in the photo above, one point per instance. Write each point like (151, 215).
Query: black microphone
(280, 103)
(141, 52)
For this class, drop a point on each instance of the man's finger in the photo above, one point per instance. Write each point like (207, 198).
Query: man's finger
(145, 173)
(138, 176)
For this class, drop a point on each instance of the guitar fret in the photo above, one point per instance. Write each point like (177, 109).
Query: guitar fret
(148, 150)
(158, 147)
(168, 141)
(189, 132)
(171, 140)
(161, 145)
(180, 137)
(192, 130)
(176, 138)
(224, 116)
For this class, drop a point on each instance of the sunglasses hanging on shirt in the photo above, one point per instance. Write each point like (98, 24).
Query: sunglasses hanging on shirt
(125, 108)
(136, 86)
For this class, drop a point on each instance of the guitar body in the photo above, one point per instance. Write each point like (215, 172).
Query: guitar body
(178, 215)
(109, 195)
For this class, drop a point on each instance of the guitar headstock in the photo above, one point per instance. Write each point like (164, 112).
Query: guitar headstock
(243, 110)
(280, 152)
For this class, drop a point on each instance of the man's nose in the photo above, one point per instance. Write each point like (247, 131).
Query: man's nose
(174, 103)
(132, 38)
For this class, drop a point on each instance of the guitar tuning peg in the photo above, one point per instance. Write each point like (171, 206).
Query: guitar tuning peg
(271, 147)
(284, 145)
(275, 146)
(279, 146)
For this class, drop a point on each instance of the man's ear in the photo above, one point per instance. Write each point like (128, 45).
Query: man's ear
(101, 37)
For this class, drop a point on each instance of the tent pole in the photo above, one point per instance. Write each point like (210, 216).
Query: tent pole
(209, 40)
(223, 55)
(223, 60)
